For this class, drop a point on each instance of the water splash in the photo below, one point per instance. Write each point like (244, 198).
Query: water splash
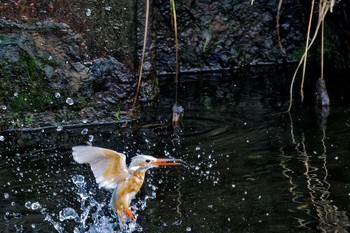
(92, 216)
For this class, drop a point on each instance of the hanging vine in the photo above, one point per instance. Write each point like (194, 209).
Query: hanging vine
(324, 7)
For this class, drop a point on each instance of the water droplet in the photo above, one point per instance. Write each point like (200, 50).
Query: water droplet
(84, 131)
(336, 158)
(69, 101)
(68, 213)
(85, 120)
(33, 226)
(57, 95)
(188, 229)
(197, 148)
(15, 94)
(3, 107)
(13, 203)
(2, 138)
(35, 206)
(88, 12)
(108, 8)
(50, 58)
(91, 138)
(6, 195)
(28, 205)
(233, 185)
(78, 180)
(59, 128)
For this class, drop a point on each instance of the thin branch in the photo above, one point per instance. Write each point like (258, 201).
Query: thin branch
(172, 2)
(306, 50)
(322, 14)
(142, 57)
(278, 26)
(322, 49)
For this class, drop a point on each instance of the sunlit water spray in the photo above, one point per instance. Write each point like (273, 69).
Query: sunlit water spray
(92, 216)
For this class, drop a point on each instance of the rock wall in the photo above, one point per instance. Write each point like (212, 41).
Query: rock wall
(221, 34)
(64, 61)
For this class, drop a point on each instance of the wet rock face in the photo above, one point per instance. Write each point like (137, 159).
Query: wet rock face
(107, 27)
(219, 34)
(338, 36)
(44, 77)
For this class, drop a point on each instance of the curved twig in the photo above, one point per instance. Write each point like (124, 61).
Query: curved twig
(142, 57)
(323, 11)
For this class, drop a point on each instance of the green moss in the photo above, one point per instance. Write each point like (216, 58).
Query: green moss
(29, 102)
(29, 66)
(80, 102)
(314, 54)
(32, 89)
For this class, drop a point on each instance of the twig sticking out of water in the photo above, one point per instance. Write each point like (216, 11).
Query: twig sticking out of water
(325, 6)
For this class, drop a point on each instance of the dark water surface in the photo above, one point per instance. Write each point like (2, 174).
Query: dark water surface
(249, 169)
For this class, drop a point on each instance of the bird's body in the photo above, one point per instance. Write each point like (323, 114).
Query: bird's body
(110, 170)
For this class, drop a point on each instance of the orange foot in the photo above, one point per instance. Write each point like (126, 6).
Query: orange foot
(129, 213)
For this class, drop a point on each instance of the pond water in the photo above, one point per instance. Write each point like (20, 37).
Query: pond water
(248, 167)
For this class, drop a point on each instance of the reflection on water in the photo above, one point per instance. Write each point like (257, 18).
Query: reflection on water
(316, 200)
(248, 169)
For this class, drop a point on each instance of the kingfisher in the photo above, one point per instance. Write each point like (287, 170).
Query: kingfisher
(110, 170)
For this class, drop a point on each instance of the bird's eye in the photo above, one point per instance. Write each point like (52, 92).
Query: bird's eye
(148, 160)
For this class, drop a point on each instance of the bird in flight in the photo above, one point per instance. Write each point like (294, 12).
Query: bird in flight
(110, 170)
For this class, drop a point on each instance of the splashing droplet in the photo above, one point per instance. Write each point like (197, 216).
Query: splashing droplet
(84, 131)
(6, 195)
(91, 138)
(28, 205)
(68, 213)
(57, 95)
(35, 206)
(69, 101)
(59, 128)
(2, 138)
(78, 180)
(88, 12)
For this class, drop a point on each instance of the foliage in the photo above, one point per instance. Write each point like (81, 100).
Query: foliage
(116, 114)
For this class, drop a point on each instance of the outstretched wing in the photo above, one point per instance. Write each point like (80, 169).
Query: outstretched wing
(108, 166)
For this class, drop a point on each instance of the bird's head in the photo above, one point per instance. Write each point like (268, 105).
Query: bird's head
(144, 162)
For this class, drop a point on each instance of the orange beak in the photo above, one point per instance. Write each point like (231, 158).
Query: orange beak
(167, 162)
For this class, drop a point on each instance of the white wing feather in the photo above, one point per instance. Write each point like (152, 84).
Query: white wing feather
(108, 166)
